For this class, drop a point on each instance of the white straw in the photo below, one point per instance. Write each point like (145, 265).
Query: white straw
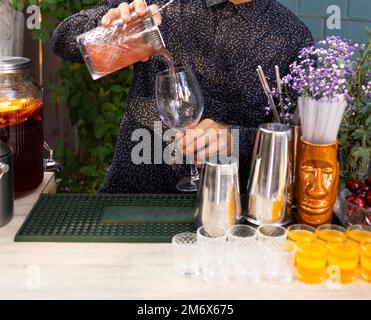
(333, 115)
(321, 120)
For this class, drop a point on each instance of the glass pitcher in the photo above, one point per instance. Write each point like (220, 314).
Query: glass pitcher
(21, 121)
(108, 49)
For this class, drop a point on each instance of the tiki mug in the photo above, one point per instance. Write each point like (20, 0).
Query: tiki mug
(317, 182)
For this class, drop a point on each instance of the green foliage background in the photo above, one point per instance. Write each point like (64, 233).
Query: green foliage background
(95, 107)
(355, 131)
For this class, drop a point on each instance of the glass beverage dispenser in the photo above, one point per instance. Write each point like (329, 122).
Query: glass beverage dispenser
(21, 121)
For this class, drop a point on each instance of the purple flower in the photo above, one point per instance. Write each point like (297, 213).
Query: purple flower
(322, 72)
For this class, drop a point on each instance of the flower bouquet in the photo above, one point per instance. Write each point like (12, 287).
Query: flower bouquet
(320, 78)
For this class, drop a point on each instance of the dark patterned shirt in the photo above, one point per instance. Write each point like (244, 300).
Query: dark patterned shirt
(223, 43)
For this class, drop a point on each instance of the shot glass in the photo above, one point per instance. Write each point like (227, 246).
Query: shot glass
(185, 254)
(286, 262)
(272, 233)
(243, 253)
(366, 260)
(212, 245)
(344, 255)
(298, 232)
(271, 241)
(331, 233)
(311, 261)
(359, 233)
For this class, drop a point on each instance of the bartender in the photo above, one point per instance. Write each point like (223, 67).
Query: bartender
(223, 42)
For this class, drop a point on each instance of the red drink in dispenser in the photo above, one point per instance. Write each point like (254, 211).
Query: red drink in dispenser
(21, 122)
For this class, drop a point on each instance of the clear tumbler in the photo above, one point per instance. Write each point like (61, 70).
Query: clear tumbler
(212, 245)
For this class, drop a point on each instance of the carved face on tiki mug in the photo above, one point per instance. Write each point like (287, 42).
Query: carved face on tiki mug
(318, 182)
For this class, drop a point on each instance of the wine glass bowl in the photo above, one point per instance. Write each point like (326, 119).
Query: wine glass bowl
(179, 98)
(180, 105)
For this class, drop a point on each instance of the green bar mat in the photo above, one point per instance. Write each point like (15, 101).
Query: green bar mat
(134, 214)
(78, 218)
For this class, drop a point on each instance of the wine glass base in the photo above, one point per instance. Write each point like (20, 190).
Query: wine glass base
(187, 185)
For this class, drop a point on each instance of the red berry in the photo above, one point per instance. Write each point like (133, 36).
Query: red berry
(353, 184)
(357, 184)
(360, 202)
(368, 181)
(349, 183)
(360, 192)
(350, 197)
(368, 197)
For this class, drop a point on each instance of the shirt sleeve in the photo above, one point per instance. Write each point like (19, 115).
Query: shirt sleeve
(307, 40)
(64, 42)
(303, 40)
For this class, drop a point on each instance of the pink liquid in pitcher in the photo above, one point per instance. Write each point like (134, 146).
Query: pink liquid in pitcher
(108, 49)
(106, 58)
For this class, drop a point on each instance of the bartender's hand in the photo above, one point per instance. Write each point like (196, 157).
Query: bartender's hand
(206, 139)
(123, 12)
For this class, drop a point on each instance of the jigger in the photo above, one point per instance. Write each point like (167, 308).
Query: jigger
(269, 187)
(218, 198)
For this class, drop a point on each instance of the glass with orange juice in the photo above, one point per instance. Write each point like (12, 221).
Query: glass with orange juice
(298, 232)
(359, 233)
(311, 261)
(331, 233)
(366, 259)
(344, 255)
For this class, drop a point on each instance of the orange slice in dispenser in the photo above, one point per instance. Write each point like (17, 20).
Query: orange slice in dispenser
(17, 111)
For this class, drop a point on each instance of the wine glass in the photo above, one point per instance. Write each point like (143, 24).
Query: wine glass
(180, 105)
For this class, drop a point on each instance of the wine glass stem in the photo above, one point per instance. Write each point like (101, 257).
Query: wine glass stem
(194, 173)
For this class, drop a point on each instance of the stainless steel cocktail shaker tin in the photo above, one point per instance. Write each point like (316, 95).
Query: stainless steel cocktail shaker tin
(218, 199)
(269, 188)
